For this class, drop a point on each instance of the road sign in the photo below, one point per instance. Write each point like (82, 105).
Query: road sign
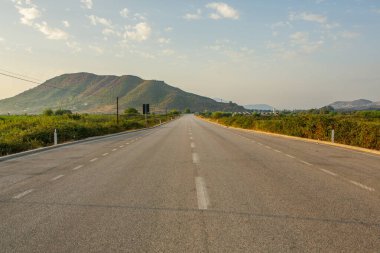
(145, 108)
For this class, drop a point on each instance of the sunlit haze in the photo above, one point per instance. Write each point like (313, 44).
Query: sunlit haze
(286, 53)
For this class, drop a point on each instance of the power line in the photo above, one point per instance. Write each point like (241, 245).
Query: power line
(19, 78)
(24, 76)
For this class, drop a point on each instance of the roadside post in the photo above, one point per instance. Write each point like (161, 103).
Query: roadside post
(333, 134)
(55, 137)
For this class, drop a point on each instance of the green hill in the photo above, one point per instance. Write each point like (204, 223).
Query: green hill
(85, 92)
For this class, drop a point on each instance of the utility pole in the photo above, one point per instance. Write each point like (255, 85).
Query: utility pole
(117, 110)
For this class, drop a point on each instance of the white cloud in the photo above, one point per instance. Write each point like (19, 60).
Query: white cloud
(280, 24)
(299, 38)
(74, 46)
(51, 33)
(222, 10)
(168, 29)
(302, 42)
(87, 4)
(124, 13)
(163, 40)
(2, 39)
(96, 49)
(349, 35)
(139, 32)
(377, 11)
(66, 23)
(311, 17)
(28, 14)
(98, 20)
(193, 16)
(167, 52)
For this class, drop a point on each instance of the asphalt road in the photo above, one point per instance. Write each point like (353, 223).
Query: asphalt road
(191, 186)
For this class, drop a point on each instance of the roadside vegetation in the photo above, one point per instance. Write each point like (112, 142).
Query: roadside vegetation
(21, 133)
(360, 129)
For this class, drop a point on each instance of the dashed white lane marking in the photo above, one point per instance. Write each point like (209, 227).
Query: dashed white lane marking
(329, 172)
(202, 196)
(191, 138)
(78, 167)
(362, 186)
(20, 195)
(290, 156)
(122, 146)
(127, 143)
(260, 143)
(302, 161)
(105, 154)
(94, 159)
(192, 145)
(268, 147)
(276, 150)
(195, 157)
(57, 177)
(114, 149)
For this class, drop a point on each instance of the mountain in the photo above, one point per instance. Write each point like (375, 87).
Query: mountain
(259, 107)
(86, 92)
(356, 105)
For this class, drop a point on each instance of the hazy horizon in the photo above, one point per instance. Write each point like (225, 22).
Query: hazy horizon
(289, 55)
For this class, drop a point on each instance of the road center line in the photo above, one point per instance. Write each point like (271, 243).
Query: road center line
(329, 172)
(57, 177)
(195, 157)
(362, 186)
(192, 145)
(105, 154)
(78, 167)
(191, 138)
(202, 196)
(18, 196)
(93, 160)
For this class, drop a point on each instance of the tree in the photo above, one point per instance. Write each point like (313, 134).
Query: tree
(48, 112)
(187, 110)
(131, 111)
(62, 112)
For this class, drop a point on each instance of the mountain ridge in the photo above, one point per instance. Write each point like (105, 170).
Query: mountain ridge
(91, 93)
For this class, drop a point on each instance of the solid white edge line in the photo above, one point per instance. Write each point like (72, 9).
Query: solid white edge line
(57, 177)
(202, 196)
(20, 195)
(290, 156)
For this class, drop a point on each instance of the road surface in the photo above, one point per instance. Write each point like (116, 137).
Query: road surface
(191, 186)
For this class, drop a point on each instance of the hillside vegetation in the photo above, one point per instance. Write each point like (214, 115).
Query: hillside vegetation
(21, 133)
(360, 129)
(90, 93)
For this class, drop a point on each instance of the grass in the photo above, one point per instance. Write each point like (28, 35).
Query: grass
(21, 133)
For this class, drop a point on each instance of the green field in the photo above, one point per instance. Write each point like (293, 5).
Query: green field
(21, 133)
(360, 129)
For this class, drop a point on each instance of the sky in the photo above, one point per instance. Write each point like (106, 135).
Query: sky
(291, 54)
